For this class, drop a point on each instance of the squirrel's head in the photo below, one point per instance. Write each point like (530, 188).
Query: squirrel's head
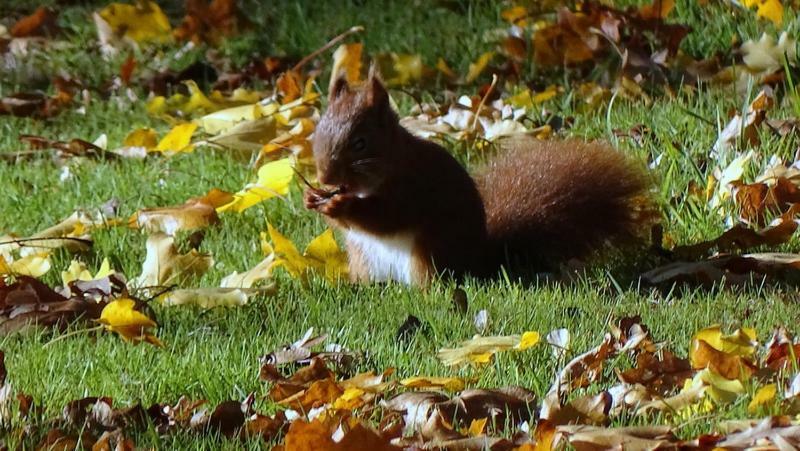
(355, 137)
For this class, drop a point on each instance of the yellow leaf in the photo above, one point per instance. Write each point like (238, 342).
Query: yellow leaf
(764, 395)
(477, 427)
(741, 342)
(350, 399)
(528, 339)
(322, 255)
(143, 137)
(211, 297)
(327, 256)
(119, 316)
(4, 268)
(223, 120)
(476, 68)
(772, 10)
(401, 69)
(482, 358)
(177, 140)
(515, 15)
(33, 265)
(545, 95)
(720, 389)
(105, 270)
(141, 22)
(347, 59)
(287, 254)
(479, 349)
(77, 271)
(157, 106)
(199, 101)
(447, 383)
(441, 66)
(273, 181)
(248, 278)
(522, 99)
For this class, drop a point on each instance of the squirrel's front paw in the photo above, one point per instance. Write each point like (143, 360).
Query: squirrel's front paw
(336, 205)
(314, 198)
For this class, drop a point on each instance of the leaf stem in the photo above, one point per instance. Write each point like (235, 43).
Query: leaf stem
(70, 334)
(331, 43)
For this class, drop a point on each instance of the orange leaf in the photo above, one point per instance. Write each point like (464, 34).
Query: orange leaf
(40, 23)
(316, 436)
(290, 85)
(729, 366)
(126, 70)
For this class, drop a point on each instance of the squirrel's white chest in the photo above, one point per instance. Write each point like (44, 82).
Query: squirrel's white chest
(386, 258)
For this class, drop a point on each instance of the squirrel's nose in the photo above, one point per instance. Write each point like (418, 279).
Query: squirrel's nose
(326, 176)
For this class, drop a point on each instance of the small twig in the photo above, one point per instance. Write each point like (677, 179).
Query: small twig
(483, 102)
(331, 43)
(697, 116)
(70, 334)
(163, 291)
(413, 97)
(305, 182)
(26, 240)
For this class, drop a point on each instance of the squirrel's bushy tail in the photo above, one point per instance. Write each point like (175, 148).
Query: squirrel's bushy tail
(551, 201)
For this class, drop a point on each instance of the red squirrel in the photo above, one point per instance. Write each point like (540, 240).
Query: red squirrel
(409, 210)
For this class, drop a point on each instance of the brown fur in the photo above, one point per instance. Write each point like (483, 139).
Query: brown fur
(552, 200)
(549, 200)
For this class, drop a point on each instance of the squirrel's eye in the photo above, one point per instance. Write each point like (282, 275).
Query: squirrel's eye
(358, 145)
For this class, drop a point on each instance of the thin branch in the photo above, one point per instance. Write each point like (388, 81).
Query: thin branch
(331, 43)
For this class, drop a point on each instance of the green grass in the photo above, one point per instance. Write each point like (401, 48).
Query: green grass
(214, 354)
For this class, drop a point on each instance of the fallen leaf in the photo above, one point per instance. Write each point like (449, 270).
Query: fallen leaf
(142, 137)
(77, 271)
(41, 22)
(447, 383)
(347, 62)
(195, 213)
(763, 395)
(479, 349)
(141, 22)
(745, 128)
(121, 317)
(322, 256)
(163, 265)
(207, 298)
(210, 22)
(477, 68)
(178, 139)
(273, 181)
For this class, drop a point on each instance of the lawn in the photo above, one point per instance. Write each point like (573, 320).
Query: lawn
(214, 354)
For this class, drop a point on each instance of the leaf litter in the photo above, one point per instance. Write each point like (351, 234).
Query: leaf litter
(323, 404)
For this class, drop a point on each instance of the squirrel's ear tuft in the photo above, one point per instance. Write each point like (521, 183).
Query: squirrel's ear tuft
(376, 92)
(338, 87)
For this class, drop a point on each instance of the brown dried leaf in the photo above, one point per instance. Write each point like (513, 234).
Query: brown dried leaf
(727, 365)
(210, 22)
(41, 22)
(732, 269)
(195, 213)
(587, 438)
(741, 237)
(660, 373)
(317, 436)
